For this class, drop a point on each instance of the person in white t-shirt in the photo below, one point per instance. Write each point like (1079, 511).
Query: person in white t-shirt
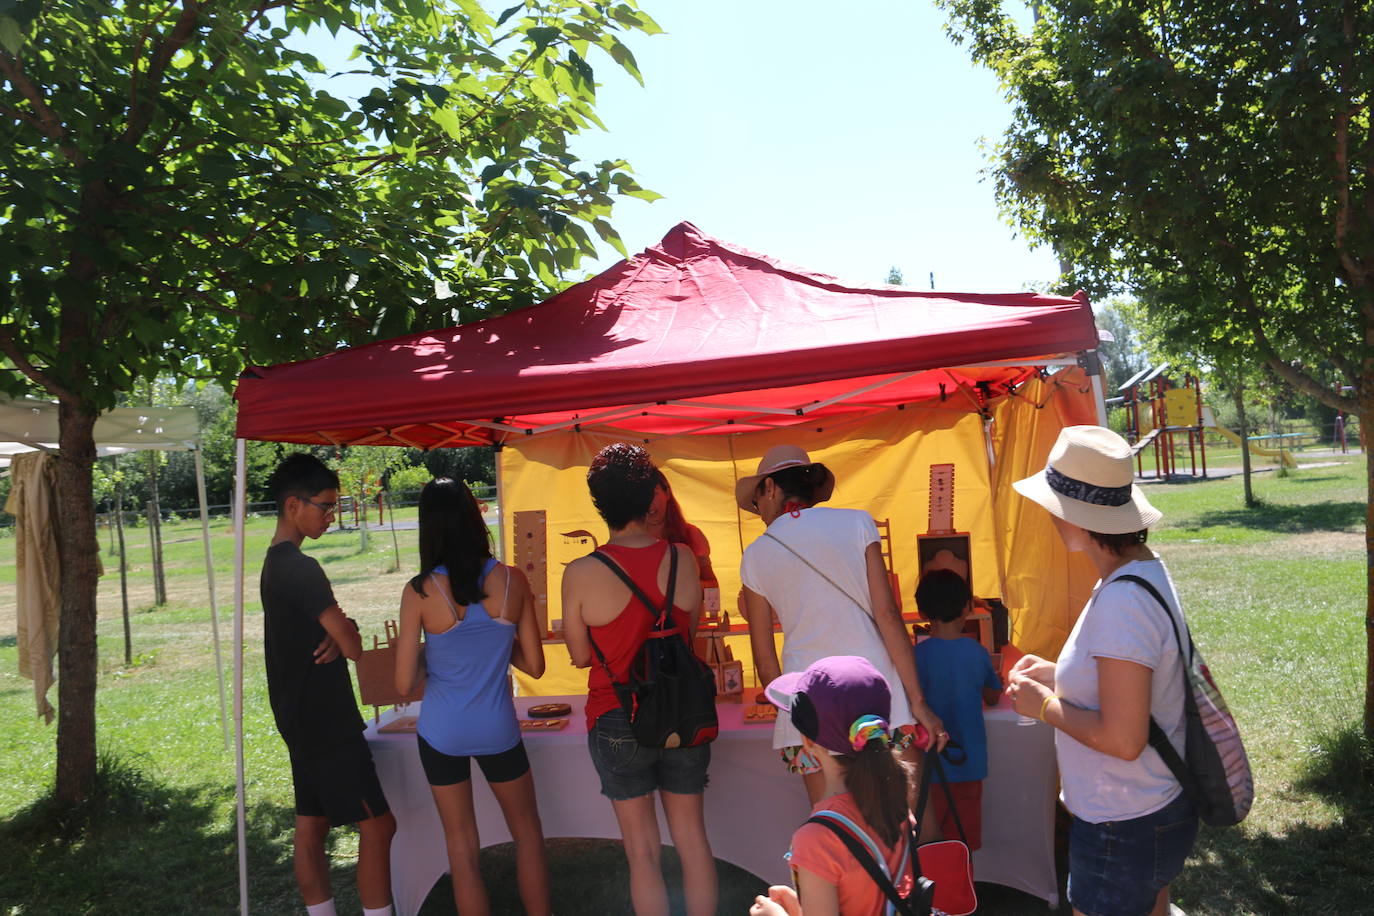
(821, 571)
(1133, 826)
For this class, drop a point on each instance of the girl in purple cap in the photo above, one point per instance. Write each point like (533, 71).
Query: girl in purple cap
(840, 705)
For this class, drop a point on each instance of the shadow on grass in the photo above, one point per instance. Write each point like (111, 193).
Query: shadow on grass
(1284, 519)
(589, 877)
(140, 846)
(1307, 869)
(8, 642)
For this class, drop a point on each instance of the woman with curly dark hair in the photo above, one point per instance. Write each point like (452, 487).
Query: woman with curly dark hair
(598, 606)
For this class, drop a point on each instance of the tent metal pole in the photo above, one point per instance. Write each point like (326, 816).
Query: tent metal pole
(238, 507)
(501, 507)
(210, 581)
(1092, 364)
(996, 514)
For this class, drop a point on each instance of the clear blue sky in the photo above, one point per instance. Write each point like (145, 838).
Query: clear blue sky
(844, 138)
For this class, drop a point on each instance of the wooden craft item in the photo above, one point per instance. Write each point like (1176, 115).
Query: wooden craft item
(532, 558)
(885, 545)
(400, 725)
(941, 515)
(761, 712)
(376, 669)
(730, 680)
(548, 710)
(543, 725)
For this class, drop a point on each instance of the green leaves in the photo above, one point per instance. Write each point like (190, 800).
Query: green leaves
(11, 35)
(221, 200)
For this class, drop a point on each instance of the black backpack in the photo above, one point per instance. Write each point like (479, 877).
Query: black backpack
(670, 696)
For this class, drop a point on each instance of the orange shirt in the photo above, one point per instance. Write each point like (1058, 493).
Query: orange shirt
(820, 852)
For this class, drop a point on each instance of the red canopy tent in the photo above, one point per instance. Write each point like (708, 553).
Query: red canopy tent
(692, 335)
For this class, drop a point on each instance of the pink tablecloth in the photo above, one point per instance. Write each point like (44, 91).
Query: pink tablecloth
(752, 805)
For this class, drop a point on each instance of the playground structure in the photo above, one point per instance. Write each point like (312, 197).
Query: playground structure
(1157, 410)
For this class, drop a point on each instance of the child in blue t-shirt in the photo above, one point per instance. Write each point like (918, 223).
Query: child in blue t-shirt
(957, 678)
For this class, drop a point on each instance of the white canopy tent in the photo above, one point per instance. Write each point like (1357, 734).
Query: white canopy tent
(30, 424)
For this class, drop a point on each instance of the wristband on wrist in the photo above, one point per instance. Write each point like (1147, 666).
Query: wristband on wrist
(1044, 703)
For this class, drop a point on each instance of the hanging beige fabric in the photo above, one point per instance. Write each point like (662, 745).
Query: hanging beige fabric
(37, 594)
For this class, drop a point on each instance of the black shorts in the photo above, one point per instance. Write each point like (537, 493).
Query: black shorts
(448, 769)
(337, 781)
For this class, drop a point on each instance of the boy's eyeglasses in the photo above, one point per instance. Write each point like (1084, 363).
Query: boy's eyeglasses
(326, 508)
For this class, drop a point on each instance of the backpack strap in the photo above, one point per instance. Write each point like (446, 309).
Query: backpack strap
(639, 592)
(932, 764)
(622, 691)
(1158, 740)
(864, 850)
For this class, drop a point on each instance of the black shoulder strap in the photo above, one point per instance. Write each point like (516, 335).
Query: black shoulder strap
(634, 586)
(1158, 740)
(865, 859)
(931, 762)
(622, 691)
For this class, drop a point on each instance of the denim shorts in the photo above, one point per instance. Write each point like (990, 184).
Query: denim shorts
(629, 770)
(1118, 868)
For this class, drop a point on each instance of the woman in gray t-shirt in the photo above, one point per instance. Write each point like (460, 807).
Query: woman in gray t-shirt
(1133, 826)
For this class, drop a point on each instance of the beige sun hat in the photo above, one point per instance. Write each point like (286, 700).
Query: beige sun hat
(776, 459)
(1089, 481)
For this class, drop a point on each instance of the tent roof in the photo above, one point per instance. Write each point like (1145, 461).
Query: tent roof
(27, 424)
(693, 335)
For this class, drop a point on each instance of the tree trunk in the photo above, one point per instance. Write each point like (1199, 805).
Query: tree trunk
(155, 531)
(1239, 394)
(123, 574)
(1367, 410)
(395, 544)
(76, 648)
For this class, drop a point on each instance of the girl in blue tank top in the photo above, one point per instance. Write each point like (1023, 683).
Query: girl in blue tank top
(477, 618)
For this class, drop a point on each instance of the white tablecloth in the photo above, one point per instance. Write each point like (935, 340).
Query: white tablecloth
(752, 804)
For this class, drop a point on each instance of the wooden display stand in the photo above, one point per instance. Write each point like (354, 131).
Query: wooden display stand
(532, 558)
(376, 669)
(885, 544)
(944, 548)
(712, 649)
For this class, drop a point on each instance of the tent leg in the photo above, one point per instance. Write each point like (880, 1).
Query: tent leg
(210, 581)
(996, 515)
(1092, 363)
(238, 507)
(503, 555)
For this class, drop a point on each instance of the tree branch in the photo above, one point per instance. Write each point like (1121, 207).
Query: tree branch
(1355, 273)
(141, 113)
(51, 123)
(1300, 380)
(138, 51)
(202, 82)
(10, 348)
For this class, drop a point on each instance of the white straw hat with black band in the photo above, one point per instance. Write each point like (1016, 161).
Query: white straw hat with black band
(1089, 481)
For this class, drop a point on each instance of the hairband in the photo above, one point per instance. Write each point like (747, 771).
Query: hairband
(866, 728)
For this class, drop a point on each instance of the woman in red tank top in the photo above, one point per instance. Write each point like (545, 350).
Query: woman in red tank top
(598, 606)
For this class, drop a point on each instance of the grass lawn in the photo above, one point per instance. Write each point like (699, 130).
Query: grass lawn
(1275, 596)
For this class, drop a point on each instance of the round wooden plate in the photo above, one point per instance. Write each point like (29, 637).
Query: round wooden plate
(549, 710)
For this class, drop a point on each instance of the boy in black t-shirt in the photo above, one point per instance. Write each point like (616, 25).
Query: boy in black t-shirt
(305, 636)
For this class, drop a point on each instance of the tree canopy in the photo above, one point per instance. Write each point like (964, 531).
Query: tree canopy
(182, 177)
(184, 191)
(1212, 159)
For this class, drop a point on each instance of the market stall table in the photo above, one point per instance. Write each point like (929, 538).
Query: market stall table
(752, 805)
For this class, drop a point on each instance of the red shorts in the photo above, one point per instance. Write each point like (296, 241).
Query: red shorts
(968, 801)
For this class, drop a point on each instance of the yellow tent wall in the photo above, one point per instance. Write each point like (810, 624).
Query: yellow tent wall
(1046, 586)
(882, 465)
